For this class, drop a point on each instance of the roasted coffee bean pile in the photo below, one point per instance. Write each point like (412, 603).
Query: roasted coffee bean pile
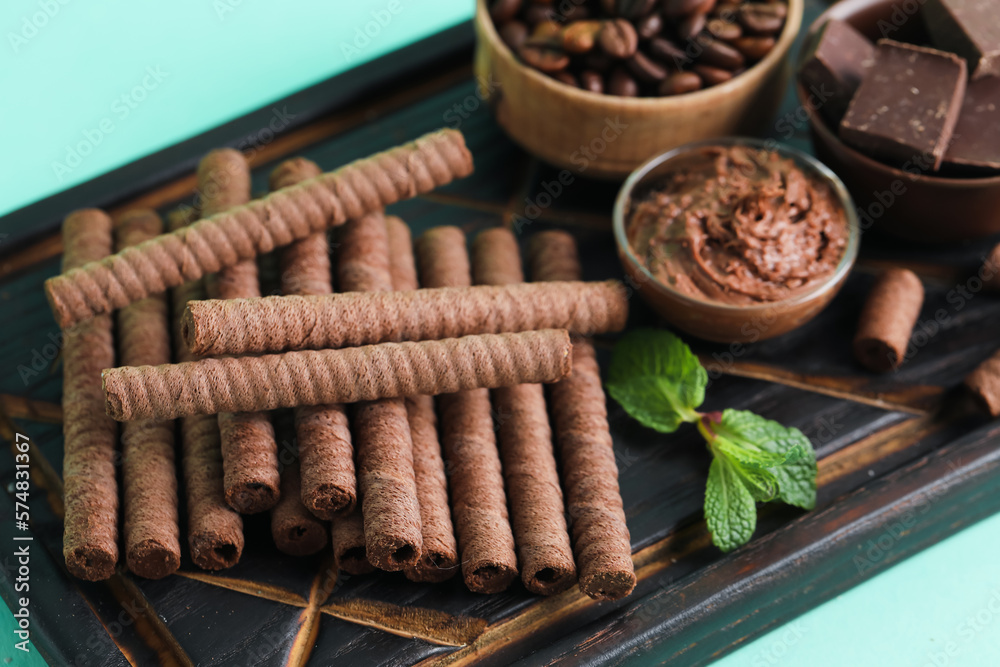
(639, 48)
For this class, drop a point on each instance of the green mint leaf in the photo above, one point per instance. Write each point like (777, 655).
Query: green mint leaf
(796, 474)
(657, 379)
(730, 509)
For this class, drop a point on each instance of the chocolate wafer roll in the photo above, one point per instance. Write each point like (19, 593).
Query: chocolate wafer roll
(386, 484)
(349, 553)
(887, 320)
(280, 323)
(314, 377)
(537, 514)
(601, 541)
(294, 528)
(328, 483)
(984, 383)
(249, 451)
(90, 531)
(468, 441)
(439, 560)
(149, 478)
(215, 531)
(259, 226)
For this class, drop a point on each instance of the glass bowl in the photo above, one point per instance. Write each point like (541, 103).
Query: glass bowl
(714, 320)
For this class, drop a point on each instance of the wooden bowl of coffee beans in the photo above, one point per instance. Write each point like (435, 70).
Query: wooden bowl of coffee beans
(599, 86)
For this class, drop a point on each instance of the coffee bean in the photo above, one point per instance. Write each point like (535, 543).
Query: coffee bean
(579, 36)
(712, 76)
(718, 54)
(544, 58)
(634, 9)
(667, 52)
(646, 69)
(649, 26)
(675, 9)
(514, 34)
(762, 19)
(592, 81)
(754, 48)
(725, 30)
(618, 38)
(547, 33)
(564, 77)
(535, 14)
(598, 60)
(576, 13)
(727, 11)
(679, 83)
(622, 84)
(504, 10)
(689, 26)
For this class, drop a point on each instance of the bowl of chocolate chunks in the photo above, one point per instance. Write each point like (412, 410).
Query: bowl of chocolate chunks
(598, 87)
(903, 103)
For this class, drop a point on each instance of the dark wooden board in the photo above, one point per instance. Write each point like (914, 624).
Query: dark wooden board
(898, 449)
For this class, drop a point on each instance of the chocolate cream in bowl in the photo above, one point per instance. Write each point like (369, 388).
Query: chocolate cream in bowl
(738, 225)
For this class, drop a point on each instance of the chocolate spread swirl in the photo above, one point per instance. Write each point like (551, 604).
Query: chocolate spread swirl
(738, 225)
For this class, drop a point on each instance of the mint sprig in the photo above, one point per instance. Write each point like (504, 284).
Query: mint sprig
(660, 382)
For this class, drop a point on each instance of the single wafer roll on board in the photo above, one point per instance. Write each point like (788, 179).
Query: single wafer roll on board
(90, 531)
(215, 530)
(386, 484)
(249, 450)
(537, 513)
(280, 323)
(578, 406)
(282, 217)
(439, 557)
(984, 383)
(468, 442)
(350, 375)
(149, 478)
(887, 320)
(328, 483)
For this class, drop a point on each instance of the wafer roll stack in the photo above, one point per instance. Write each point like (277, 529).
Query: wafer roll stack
(583, 438)
(244, 232)
(544, 554)
(439, 557)
(468, 441)
(90, 534)
(215, 530)
(149, 478)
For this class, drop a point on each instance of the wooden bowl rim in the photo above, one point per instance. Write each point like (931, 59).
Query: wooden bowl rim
(747, 78)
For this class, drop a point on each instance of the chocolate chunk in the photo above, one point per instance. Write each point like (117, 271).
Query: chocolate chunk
(975, 143)
(906, 106)
(969, 28)
(833, 66)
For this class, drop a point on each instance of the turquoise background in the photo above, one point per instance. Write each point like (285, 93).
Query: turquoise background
(222, 58)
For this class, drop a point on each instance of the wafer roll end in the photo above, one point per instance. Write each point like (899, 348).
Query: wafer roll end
(216, 549)
(153, 559)
(487, 576)
(984, 385)
(608, 581)
(90, 562)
